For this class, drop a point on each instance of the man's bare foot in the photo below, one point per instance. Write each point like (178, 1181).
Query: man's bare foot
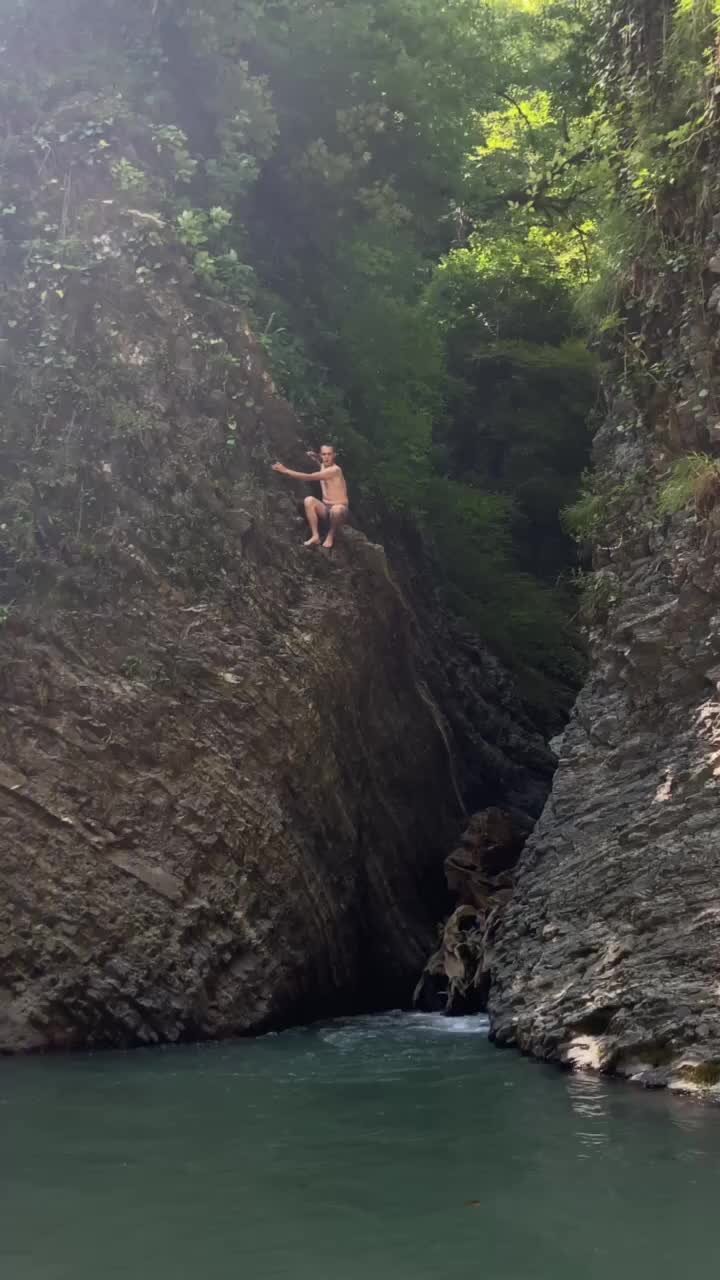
(329, 542)
(312, 542)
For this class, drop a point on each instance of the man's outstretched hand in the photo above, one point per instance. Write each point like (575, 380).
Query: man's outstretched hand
(278, 466)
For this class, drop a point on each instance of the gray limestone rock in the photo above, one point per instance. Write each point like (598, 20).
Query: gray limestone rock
(608, 955)
(230, 766)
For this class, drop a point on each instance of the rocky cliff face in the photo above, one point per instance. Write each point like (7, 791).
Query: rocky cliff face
(608, 955)
(226, 784)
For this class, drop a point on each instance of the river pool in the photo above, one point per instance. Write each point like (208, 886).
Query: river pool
(398, 1147)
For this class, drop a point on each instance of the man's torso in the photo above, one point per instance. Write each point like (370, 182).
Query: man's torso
(334, 489)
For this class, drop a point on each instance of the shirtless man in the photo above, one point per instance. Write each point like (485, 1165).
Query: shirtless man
(335, 505)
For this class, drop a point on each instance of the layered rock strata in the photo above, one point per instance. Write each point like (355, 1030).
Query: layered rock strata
(229, 765)
(608, 955)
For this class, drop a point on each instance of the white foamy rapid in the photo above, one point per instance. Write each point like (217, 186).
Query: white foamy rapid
(401, 1026)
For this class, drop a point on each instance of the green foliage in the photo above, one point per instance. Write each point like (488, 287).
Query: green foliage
(197, 226)
(171, 141)
(394, 190)
(602, 504)
(584, 518)
(425, 209)
(526, 621)
(695, 477)
(128, 176)
(657, 111)
(459, 392)
(521, 384)
(217, 269)
(599, 592)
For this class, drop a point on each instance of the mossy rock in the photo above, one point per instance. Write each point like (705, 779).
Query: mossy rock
(703, 1074)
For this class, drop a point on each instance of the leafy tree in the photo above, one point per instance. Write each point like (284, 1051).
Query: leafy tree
(400, 192)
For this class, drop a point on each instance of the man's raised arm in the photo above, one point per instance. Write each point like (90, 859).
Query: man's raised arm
(324, 474)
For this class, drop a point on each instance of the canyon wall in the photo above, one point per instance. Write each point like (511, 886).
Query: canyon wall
(608, 955)
(226, 780)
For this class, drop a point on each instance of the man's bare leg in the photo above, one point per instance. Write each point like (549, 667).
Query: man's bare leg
(338, 515)
(313, 516)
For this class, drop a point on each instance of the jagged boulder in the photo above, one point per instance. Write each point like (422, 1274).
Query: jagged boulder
(479, 874)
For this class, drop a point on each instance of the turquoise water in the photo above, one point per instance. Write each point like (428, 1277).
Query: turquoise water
(394, 1148)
